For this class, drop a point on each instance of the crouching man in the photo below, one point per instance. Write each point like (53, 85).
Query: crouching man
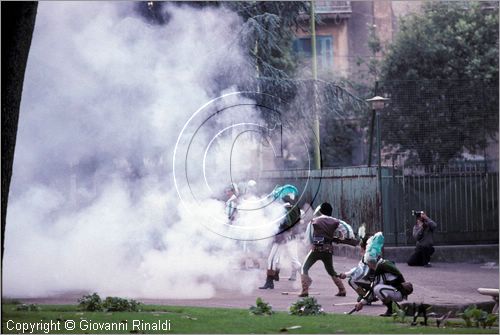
(388, 285)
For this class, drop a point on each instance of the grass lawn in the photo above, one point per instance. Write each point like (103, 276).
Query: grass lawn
(213, 320)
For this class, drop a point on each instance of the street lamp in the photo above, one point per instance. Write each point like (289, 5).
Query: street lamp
(377, 103)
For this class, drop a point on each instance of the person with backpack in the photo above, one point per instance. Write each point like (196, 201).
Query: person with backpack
(388, 284)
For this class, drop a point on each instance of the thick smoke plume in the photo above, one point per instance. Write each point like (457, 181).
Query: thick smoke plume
(93, 205)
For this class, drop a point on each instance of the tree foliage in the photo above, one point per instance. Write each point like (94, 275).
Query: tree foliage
(269, 29)
(266, 35)
(268, 32)
(441, 73)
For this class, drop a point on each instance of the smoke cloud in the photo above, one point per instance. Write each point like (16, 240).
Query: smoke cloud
(93, 203)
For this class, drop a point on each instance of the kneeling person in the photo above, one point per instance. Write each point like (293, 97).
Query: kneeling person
(389, 284)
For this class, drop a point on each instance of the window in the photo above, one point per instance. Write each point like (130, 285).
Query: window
(324, 50)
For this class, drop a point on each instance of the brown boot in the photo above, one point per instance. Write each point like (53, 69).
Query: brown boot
(340, 286)
(269, 281)
(276, 274)
(306, 282)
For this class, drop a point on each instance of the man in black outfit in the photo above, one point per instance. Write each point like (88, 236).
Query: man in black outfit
(423, 233)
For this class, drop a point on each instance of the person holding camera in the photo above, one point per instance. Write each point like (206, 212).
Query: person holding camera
(423, 233)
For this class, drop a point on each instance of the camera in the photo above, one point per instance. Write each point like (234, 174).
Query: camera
(416, 213)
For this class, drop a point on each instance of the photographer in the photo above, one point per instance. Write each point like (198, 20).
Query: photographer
(423, 233)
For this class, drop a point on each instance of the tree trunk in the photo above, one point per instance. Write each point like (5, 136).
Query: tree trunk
(18, 22)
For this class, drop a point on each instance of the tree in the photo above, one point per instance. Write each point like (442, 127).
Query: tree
(18, 22)
(441, 73)
(267, 33)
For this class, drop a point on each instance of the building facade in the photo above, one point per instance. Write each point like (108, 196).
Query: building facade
(343, 32)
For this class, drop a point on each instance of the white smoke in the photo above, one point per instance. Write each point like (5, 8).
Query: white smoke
(93, 205)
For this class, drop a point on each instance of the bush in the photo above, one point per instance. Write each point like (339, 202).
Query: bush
(116, 304)
(93, 303)
(90, 303)
(306, 306)
(28, 308)
(262, 308)
(480, 317)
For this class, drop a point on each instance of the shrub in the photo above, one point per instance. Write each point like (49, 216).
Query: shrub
(480, 317)
(262, 308)
(306, 306)
(399, 312)
(93, 303)
(28, 308)
(117, 304)
(90, 303)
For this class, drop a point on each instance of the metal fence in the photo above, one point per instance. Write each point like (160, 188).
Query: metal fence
(463, 201)
(353, 192)
(444, 137)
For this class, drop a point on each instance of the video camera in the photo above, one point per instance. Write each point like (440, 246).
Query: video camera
(417, 214)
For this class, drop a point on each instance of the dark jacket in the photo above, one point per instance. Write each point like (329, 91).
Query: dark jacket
(290, 225)
(424, 233)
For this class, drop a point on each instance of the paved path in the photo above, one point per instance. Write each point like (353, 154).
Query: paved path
(442, 284)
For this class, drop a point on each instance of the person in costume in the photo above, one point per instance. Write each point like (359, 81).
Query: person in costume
(231, 208)
(361, 276)
(388, 284)
(248, 200)
(321, 232)
(286, 232)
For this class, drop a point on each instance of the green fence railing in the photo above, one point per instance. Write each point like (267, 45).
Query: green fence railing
(464, 202)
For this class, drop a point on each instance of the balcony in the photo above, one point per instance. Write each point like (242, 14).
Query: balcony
(333, 7)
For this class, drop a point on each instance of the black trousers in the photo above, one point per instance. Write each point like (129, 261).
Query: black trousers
(313, 256)
(421, 256)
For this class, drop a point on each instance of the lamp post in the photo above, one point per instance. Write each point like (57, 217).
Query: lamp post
(377, 103)
(317, 145)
